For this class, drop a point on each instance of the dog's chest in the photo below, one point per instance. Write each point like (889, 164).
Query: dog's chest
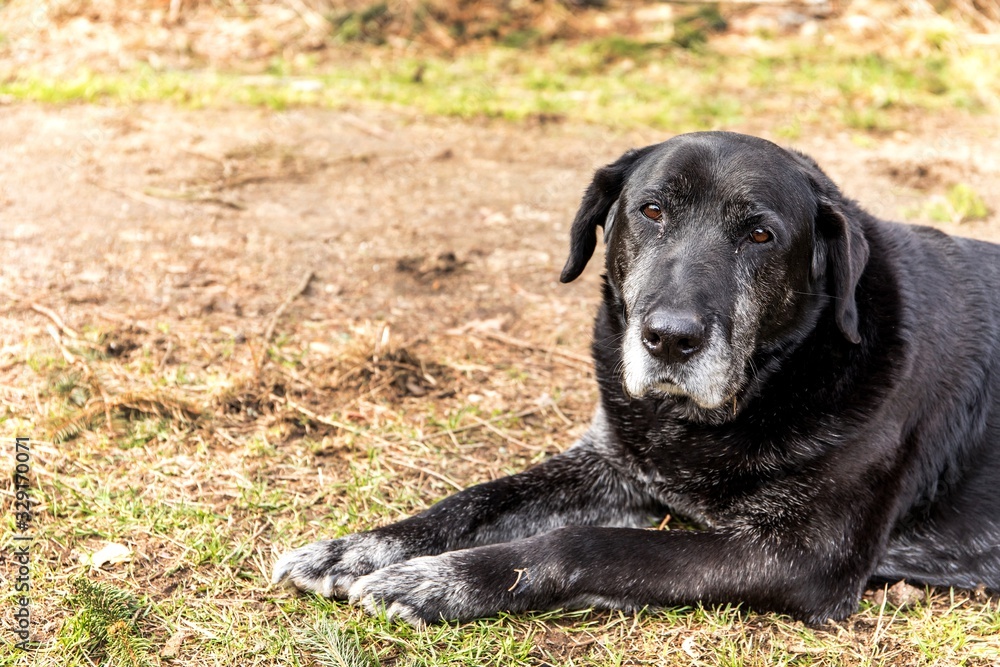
(710, 474)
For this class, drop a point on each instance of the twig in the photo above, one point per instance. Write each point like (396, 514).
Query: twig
(225, 436)
(194, 196)
(38, 403)
(329, 422)
(135, 196)
(367, 128)
(388, 457)
(506, 436)
(67, 355)
(525, 345)
(52, 315)
(452, 431)
(203, 156)
(299, 289)
(522, 572)
(559, 413)
(208, 634)
(175, 11)
(426, 471)
(295, 377)
(166, 357)
(310, 16)
(878, 625)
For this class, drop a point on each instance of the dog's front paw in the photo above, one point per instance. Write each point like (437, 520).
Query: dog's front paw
(422, 590)
(330, 567)
(458, 585)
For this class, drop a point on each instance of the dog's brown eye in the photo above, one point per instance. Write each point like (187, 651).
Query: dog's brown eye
(760, 235)
(652, 211)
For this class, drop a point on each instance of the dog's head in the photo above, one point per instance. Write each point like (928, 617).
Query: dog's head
(719, 246)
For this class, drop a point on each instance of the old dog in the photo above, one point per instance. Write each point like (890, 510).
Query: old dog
(817, 390)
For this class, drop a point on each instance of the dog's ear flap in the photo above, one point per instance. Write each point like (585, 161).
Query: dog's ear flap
(841, 248)
(847, 256)
(597, 203)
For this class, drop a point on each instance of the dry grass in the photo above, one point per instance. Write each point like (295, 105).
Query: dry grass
(196, 451)
(205, 455)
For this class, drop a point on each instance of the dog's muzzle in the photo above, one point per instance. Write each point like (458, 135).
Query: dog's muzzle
(678, 352)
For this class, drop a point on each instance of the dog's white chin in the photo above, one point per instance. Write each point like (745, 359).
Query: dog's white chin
(669, 389)
(637, 387)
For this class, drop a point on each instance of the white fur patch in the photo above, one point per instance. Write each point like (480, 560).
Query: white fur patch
(316, 567)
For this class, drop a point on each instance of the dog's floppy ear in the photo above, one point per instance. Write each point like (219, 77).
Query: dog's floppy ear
(847, 256)
(601, 195)
(841, 245)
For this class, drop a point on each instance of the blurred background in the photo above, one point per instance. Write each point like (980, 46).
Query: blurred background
(604, 61)
(279, 271)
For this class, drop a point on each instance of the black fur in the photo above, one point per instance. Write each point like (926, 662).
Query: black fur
(839, 425)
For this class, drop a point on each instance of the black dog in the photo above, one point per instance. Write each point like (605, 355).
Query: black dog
(817, 389)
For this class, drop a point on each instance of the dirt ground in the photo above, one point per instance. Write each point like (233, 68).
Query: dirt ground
(166, 229)
(159, 213)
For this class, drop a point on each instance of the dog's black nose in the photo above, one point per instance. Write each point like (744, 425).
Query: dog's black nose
(673, 336)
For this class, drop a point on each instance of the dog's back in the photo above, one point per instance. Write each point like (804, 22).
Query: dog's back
(948, 532)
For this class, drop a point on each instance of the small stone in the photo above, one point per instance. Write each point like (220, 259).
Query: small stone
(900, 595)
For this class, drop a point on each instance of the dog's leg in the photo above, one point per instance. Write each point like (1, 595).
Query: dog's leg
(577, 487)
(617, 568)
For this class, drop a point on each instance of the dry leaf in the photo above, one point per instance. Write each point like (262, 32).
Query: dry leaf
(112, 554)
(172, 647)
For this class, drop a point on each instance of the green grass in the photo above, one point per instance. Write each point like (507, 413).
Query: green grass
(612, 81)
(331, 647)
(205, 515)
(961, 203)
(106, 623)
